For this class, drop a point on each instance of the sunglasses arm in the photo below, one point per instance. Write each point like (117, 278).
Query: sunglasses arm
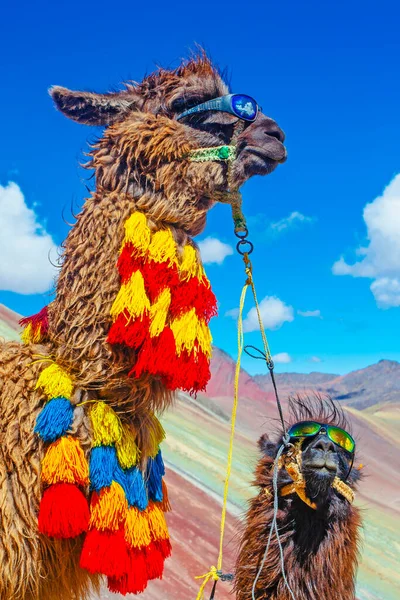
(350, 468)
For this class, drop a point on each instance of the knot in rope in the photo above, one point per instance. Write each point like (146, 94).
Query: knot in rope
(213, 574)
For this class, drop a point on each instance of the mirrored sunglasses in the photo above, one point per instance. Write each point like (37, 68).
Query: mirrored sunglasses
(242, 106)
(338, 436)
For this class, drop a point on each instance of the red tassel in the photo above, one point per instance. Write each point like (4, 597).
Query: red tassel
(105, 552)
(191, 373)
(157, 355)
(164, 547)
(135, 580)
(154, 562)
(129, 262)
(64, 511)
(188, 372)
(194, 294)
(39, 326)
(129, 331)
(158, 276)
(39, 319)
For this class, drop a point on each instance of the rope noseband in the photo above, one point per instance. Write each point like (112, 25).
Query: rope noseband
(292, 463)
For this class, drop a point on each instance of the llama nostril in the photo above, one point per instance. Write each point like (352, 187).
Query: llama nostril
(277, 134)
(325, 445)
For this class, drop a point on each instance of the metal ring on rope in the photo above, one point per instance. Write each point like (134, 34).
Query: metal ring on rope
(242, 232)
(243, 242)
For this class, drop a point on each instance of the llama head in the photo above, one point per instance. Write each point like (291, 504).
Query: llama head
(145, 150)
(321, 460)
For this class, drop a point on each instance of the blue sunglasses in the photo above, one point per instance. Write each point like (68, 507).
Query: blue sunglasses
(240, 105)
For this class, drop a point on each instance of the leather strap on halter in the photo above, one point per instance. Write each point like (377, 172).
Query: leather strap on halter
(292, 463)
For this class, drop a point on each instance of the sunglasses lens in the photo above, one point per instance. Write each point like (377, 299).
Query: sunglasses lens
(244, 107)
(341, 438)
(304, 429)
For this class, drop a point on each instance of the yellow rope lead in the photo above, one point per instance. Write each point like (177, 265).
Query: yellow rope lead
(214, 572)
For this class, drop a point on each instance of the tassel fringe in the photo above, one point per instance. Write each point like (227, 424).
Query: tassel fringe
(127, 451)
(128, 539)
(106, 553)
(64, 462)
(163, 307)
(55, 382)
(107, 428)
(55, 419)
(137, 530)
(108, 508)
(64, 512)
(35, 327)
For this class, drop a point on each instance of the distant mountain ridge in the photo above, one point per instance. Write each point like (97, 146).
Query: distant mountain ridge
(363, 388)
(375, 384)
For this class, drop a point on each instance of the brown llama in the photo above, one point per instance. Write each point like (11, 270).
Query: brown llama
(317, 524)
(86, 360)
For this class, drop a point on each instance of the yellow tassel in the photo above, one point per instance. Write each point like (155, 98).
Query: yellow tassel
(204, 338)
(107, 428)
(159, 312)
(190, 265)
(156, 435)
(127, 451)
(188, 330)
(163, 247)
(137, 531)
(55, 382)
(108, 510)
(185, 330)
(31, 335)
(137, 232)
(157, 523)
(131, 297)
(65, 462)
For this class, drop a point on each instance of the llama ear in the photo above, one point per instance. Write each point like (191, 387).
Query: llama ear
(266, 446)
(95, 109)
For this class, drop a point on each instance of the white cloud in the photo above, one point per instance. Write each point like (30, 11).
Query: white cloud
(282, 358)
(273, 311)
(24, 246)
(316, 359)
(310, 313)
(214, 251)
(381, 257)
(295, 218)
(233, 312)
(386, 291)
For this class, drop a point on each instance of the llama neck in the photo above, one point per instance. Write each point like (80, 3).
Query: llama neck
(320, 551)
(86, 289)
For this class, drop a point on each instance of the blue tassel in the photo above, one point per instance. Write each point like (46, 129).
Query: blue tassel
(134, 488)
(155, 473)
(55, 419)
(103, 467)
(160, 463)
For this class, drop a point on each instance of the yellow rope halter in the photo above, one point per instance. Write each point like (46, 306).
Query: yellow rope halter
(292, 463)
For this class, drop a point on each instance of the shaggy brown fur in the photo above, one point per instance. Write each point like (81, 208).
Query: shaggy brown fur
(140, 163)
(319, 546)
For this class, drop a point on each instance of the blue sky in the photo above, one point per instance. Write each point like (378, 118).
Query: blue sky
(328, 73)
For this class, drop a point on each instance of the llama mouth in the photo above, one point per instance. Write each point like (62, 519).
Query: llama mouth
(323, 467)
(275, 152)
